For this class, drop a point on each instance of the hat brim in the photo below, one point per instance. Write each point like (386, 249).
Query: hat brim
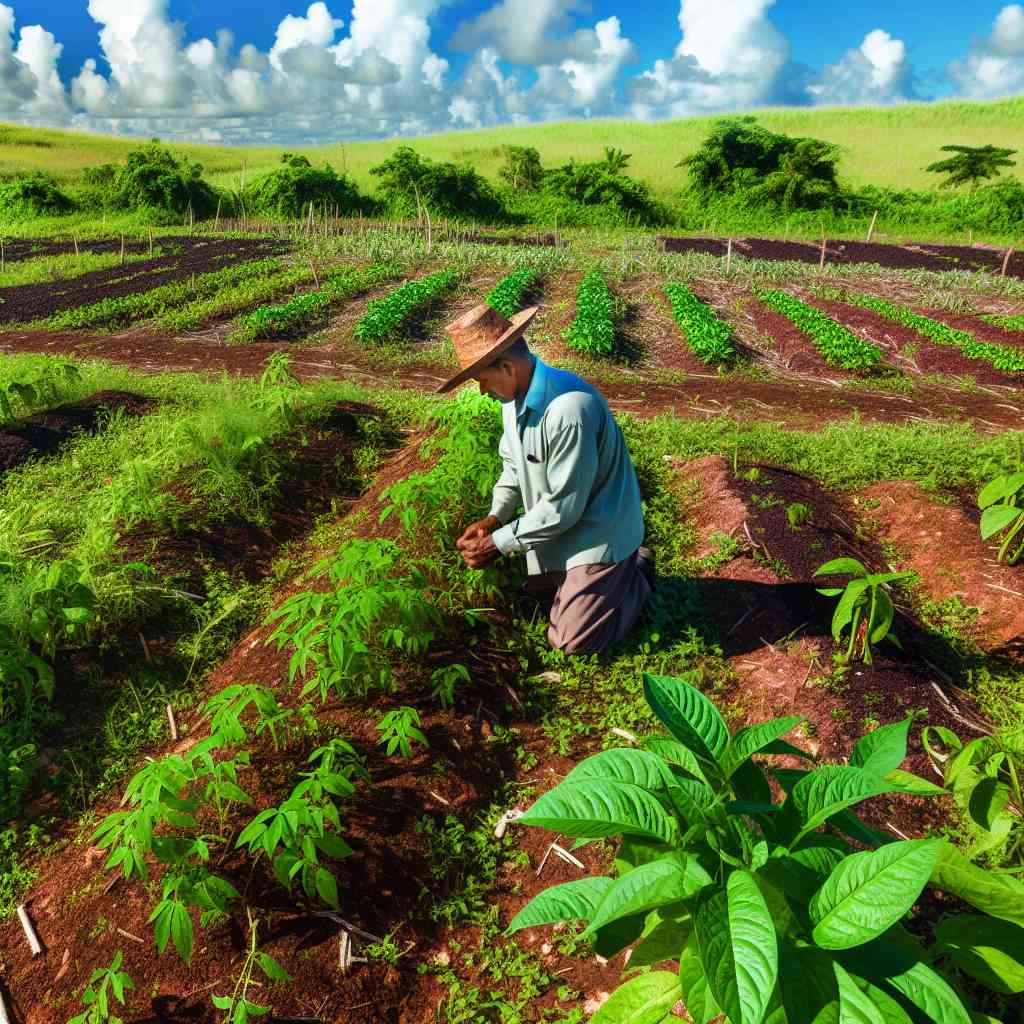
(519, 322)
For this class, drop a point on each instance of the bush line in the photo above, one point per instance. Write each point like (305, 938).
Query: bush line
(709, 337)
(506, 297)
(1002, 357)
(838, 345)
(385, 317)
(592, 330)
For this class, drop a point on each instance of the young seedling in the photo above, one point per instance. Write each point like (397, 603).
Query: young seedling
(237, 1007)
(863, 602)
(399, 730)
(1002, 505)
(797, 514)
(103, 982)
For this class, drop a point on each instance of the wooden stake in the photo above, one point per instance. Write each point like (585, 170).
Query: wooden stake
(216, 219)
(1006, 261)
(4, 1019)
(1, 255)
(316, 277)
(728, 255)
(74, 238)
(430, 230)
(871, 226)
(30, 932)
(821, 261)
(122, 247)
(150, 241)
(191, 217)
(172, 723)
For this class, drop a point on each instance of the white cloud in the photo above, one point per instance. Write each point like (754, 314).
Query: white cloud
(523, 31)
(730, 56)
(30, 87)
(876, 72)
(995, 66)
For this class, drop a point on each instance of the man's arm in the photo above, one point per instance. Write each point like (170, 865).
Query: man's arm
(571, 469)
(507, 494)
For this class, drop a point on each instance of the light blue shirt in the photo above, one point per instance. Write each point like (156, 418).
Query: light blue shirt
(565, 462)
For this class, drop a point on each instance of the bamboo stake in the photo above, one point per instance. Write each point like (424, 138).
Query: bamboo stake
(430, 230)
(30, 932)
(172, 723)
(728, 255)
(871, 226)
(122, 248)
(1, 255)
(216, 219)
(4, 1019)
(316, 277)
(821, 261)
(1006, 261)
(150, 241)
(74, 238)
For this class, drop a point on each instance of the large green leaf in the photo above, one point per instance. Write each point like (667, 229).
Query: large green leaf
(888, 966)
(988, 800)
(855, 1006)
(738, 947)
(826, 791)
(700, 1003)
(664, 941)
(907, 782)
(869, 892)
(840, 567)
(688, 715)
(599, 807)
(643, 1000)
(986, 948)
(802, 872)
(883, 750)
(999, 488)
(675, 753)
(753, 738)
(998, 517)
(613, 938)
(1000, 895)
(674, 878)
(572, 901)
(807, 984)
(637, 767)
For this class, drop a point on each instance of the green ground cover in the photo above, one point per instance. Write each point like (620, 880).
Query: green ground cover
(709, 337)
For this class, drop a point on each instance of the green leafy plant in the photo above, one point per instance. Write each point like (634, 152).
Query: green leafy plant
(769, 917)
(399, 729)
(971, 164)
(295, 834)
(445, 681)
(238, 1007)
(709, 337)
(506, 297)
(19, 397)
(1002, 357)
(592, 330)
(289, 190)
(378, 603)
(384, 317)
(865, 607)
(104, 982)
(797, 513)
(1002, 503)
(986, 777)
(837, 344)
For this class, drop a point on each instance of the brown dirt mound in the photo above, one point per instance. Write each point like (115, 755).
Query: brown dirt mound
(44, 432)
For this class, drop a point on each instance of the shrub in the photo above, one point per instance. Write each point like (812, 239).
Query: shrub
(288, 190)
(153, 177)
(599, 184)
(408, 181)
(592, 330)
(522, 168)
(34, 195)
(709, 337)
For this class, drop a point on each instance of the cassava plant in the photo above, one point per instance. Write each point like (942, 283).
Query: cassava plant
(592, 330)
(770, 910)
(399, 730)
(238, 1007)
(1002, 515)
(104, 982)
(865, 607)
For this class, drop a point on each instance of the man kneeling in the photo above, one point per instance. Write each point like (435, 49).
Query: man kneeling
(565, 462)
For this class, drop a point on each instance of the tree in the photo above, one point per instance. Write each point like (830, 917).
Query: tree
(805, 179)
(737, 152)
(971, 164)
(522, 168)
(615, 161)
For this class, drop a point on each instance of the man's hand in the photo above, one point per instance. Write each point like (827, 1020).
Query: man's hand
(479, 552)
(475, 531)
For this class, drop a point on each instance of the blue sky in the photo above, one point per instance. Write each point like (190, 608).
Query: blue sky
(292, 71)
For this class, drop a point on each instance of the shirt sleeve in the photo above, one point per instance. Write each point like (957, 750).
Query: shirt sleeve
(571, 470)
(507, 494)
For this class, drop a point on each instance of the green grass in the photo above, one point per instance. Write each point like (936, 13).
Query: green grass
(50, 269)
(881, 145)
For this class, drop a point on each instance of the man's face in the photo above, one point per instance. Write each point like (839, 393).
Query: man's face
(497, 381)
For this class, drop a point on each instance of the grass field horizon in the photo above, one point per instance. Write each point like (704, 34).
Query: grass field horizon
(885, 146)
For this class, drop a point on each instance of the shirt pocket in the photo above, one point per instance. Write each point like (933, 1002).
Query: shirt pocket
(534, 448)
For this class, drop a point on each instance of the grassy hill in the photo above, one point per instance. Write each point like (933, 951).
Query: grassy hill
(887, 146)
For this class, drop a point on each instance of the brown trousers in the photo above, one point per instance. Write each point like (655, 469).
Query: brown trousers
(594, 606)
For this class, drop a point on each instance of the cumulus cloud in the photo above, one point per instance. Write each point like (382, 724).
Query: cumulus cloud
(524, 31)
(876, 72)
(30, 87)
(730, 56)
(995, 66)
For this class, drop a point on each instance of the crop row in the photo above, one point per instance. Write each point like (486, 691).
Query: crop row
(385, 317)
(837, 344)
(1009, 323)
(302, 311)
(163, 300)
(709, 337)
(1002, 357)
(592, 330)
(506, 297)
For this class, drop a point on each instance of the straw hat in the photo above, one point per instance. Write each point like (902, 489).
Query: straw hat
(480, 336)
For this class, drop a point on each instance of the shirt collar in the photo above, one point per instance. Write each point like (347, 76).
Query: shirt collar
(534, 397)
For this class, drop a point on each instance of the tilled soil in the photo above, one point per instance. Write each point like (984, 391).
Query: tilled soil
(981, 329)
(912, 256)
(34, 248)
(26, 302)
(44, 432)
